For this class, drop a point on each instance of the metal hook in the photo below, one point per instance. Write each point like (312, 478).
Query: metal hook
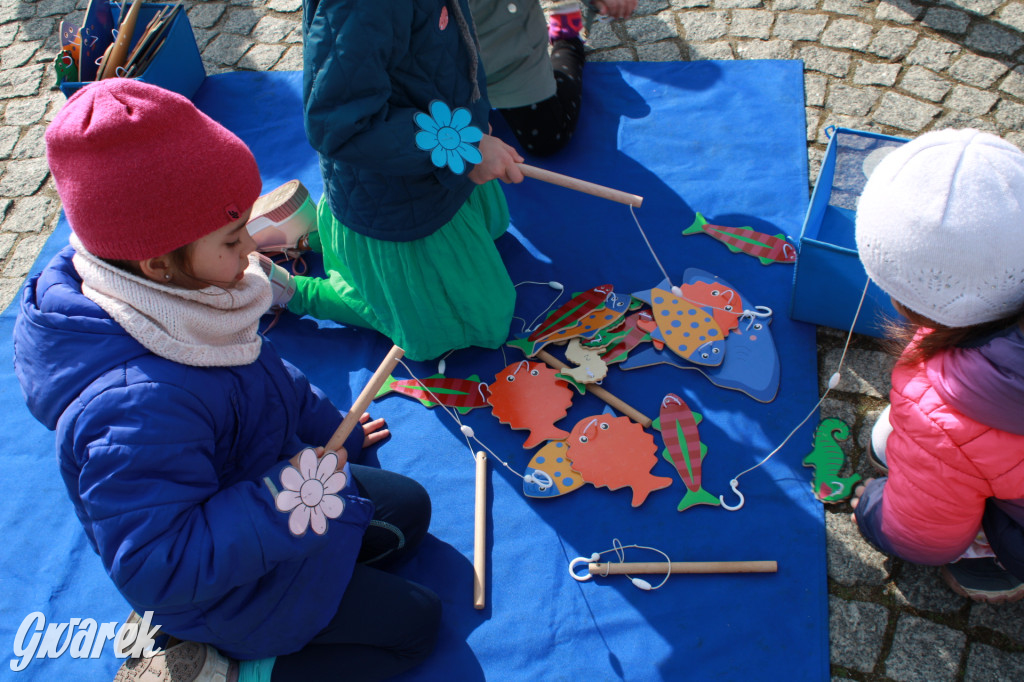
(734, 484)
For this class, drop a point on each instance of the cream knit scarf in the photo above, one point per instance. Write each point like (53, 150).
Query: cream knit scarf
(210, 327)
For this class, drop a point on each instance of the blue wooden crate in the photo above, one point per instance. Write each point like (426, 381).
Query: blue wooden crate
(829, 279)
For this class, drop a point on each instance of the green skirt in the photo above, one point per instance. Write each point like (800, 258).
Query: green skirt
(446, 291)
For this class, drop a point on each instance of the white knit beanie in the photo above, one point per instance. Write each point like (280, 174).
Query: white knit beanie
(940, 227)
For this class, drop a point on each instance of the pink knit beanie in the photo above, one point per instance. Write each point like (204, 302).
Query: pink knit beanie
(141, 171)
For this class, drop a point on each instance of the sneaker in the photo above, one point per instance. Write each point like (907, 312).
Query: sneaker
(983, 580)
(282, 220)
(184, 662)
(879, 436)
(565, 22)
(281, 283)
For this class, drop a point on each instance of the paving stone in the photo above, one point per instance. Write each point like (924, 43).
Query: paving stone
(19, 54)
(800, 26)
(25, 253)
(240, 20)
(701, 27)
(7, 240)
(712, 50)
(206, 14)
(32, 144)
(988, 664)
(7, 33)
(665, 51)
(899, 11)
(30, 214)
(261, 57)
(923, 651)
(659, 27)
(869, 73)
(9, 136)
(971, 100)
(1012, 15)
(812, 117)
(285, 5)
(814, 89)
(921, 82)
(59, 8)
(979, 7)
(959, 119)
(988, 38)
(621, 54)
(290, 60)
(751, 23)
(1014, 82)
(904, 113)
(689, 4)
(865, 372)
(37, 29)
(23, 177)
(787, 5)
(933, 54)
(856, 629)
(892, 42)
(922, 588)
(980, 72)
(226, 50)
(272, 29)
(851, 559)
(601, 36)
(21, 81)
(851, 101)
(737, 4)
(946, 20)
(1010, 115)
(25, 111)
(765, 49)
(15, 10)
(1006, 619)
(852, 7)
(847, 34)
(826, 61)
(839, 121)
(645, 7)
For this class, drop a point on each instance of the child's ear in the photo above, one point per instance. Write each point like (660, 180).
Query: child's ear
(156, 269)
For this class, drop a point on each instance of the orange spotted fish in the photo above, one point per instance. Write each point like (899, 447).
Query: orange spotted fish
(688, 330)
(461, 394)
(529, 395)
(725, 303)
(765, 247)
(568, 316)
(615, 452)
(550, 473)
(678, 426)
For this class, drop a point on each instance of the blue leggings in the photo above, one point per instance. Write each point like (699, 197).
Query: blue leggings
(385, 624)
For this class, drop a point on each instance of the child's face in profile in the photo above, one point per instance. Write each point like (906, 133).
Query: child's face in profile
(221, 257)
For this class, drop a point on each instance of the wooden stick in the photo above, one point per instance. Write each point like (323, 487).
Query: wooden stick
(623, 407)
(480, 533)
(580, 185)
(621, 568)
(365, 398)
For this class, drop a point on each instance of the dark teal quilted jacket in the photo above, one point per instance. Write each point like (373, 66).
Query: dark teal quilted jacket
(370, 66)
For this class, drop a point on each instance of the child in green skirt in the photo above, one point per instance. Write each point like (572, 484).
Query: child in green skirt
(395, 104)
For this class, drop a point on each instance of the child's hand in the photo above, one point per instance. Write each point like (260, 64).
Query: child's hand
(373, 431)
(617, 9)
(499, 162)
(320, 452)
(855, 500)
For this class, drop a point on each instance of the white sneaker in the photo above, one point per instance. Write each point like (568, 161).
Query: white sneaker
(282, 219)
(184, 662)
(282, 284)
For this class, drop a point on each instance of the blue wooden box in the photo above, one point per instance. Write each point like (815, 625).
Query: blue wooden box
(177, 66)
(829, 279)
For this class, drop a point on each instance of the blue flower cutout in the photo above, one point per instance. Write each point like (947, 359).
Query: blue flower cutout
(447, 135)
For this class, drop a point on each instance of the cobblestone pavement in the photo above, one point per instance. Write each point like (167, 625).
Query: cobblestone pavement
(892, 66)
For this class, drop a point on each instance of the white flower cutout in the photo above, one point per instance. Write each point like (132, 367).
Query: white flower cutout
(448, 136)
(309, 492)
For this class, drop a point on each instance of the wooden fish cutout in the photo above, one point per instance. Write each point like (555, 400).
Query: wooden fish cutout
(617, 345)
(766, 248)
(615, 452)
(687, 330)
(708, 291)
(828, 458)
(590, 367)
(529, 395)
(551, 464)
(461, 394)
(567, 317)
(678, 426)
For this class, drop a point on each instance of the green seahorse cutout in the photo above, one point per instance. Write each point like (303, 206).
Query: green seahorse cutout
(827, 458)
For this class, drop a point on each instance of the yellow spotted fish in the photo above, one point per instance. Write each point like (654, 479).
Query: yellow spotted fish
(688, 330)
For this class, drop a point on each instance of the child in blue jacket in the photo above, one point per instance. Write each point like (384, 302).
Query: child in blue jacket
(182, 437)
(395, 105)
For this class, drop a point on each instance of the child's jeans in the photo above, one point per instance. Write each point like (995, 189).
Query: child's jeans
(385, 624)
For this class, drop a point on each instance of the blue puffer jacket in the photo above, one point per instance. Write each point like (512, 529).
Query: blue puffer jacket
(369, 67)
(169, 468)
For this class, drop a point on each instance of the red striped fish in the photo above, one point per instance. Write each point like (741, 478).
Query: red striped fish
(569, 315)
(678, 426)
(765, 247)
(461, 394)
(637, 327)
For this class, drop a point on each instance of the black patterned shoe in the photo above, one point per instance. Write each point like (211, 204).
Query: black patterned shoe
(983, 580)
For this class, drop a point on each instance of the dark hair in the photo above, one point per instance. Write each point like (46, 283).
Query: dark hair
(899, 334)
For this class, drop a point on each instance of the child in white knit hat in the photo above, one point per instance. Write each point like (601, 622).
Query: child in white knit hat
(187, 445)
(940, 228)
